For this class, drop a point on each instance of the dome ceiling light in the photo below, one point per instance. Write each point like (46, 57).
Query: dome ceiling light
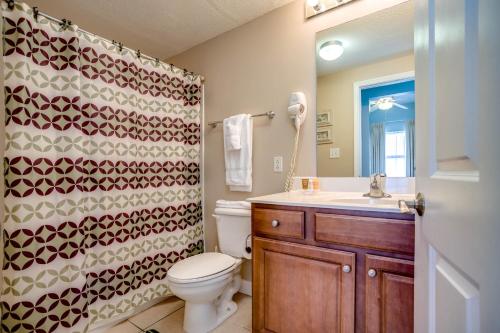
(331, 50)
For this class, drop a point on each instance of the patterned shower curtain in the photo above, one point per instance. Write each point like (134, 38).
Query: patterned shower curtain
(102, 176)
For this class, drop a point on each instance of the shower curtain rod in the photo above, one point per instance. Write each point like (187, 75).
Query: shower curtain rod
(65, 23)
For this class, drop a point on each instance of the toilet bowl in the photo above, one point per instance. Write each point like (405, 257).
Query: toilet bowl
(207, 282)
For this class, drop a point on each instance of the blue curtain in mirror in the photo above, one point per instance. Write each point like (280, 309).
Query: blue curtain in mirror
(410, 148)
(377, 148)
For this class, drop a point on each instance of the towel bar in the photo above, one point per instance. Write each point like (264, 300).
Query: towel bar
(269, 114)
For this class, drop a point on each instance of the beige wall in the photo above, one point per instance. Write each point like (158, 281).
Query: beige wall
(335, 92)
(253, 69)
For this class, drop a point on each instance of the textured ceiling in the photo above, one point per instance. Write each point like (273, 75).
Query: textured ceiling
(159, 28)
(370, 38)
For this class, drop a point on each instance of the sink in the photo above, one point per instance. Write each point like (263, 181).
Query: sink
(367, 201)
(339, 200)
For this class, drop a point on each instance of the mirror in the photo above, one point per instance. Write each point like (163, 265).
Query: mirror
(365, 107)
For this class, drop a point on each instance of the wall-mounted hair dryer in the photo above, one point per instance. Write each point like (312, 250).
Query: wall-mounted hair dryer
(297, 110)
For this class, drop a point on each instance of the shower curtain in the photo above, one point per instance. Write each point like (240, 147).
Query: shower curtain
(102, 176)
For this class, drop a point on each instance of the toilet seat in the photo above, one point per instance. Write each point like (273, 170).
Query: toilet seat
(201, 267)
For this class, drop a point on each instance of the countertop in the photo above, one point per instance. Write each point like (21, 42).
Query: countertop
(334, 200)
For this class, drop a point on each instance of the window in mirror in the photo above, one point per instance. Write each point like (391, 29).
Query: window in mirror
(395, 154)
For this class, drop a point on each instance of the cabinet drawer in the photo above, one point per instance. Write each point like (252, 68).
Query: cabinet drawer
(289, 223)
(368, 232)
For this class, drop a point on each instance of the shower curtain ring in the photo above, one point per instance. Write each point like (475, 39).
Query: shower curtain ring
(138, 54)
(65, 24)
(35, 13)
(117, 44)
(157, 61)
(11, 4)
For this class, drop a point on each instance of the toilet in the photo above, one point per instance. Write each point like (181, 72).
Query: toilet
(207, 282)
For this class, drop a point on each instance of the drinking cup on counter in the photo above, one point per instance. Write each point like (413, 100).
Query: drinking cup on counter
(309, 184)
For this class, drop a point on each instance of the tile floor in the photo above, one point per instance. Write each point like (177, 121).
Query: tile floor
(167, 317)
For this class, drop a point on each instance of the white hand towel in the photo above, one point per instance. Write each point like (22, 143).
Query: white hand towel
(239, 162)
(232, 204)
(232, 131)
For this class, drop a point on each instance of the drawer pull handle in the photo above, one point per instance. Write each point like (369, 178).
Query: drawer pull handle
(346, 269)
(372, 273)
(275, 223)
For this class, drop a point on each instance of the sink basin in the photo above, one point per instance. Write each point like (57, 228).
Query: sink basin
(367, 201)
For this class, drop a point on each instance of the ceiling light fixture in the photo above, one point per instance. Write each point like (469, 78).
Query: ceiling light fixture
(315, 4)
(331, 50)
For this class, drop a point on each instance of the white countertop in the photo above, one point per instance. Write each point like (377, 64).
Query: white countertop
(335, 200)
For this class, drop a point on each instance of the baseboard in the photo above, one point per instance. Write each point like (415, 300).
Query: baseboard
(107, 325)
(246, 287)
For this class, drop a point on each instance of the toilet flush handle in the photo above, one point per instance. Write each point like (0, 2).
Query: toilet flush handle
(248, 247)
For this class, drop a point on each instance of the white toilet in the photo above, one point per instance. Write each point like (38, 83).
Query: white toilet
(208, 281)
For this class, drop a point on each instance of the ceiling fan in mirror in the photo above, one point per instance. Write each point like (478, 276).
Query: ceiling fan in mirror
(385, 103)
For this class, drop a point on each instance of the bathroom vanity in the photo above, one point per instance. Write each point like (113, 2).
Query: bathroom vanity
(331, 263)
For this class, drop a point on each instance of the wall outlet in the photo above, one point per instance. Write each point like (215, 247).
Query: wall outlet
(278, 163)
(334, 152)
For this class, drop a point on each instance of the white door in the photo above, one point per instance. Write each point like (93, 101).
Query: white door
(457, 52)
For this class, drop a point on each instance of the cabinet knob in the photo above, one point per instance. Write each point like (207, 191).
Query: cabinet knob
(372, 273)
(275, 223)
(346, 269)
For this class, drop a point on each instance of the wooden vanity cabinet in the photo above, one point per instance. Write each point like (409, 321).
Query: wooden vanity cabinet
(329, 270)
(300, 288)
(389, 295)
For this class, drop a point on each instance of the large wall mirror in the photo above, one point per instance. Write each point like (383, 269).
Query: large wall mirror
(365, 108)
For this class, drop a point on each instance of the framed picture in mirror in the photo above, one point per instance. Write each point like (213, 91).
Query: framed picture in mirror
(323, 135)
(324, 119)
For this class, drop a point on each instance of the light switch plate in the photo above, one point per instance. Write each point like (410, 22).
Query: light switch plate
(278, 163)
(334, 152)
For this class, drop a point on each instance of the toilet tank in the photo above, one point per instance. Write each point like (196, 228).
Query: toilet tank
(234, 230)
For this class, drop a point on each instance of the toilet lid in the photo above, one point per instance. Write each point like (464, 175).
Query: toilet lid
(201, 265)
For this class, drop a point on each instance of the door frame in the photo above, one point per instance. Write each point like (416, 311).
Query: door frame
(358, 86)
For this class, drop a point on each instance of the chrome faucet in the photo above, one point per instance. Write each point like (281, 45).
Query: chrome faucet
(377, 186)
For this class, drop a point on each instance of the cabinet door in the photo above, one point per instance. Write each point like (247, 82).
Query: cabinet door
(299, 288)
(389, 295)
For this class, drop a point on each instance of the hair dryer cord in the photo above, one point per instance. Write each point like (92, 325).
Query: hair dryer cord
(291, 172)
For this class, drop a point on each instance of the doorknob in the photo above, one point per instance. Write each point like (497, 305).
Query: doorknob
(418, 205)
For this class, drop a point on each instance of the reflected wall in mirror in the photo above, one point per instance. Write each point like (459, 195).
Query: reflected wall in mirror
(366, 96)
